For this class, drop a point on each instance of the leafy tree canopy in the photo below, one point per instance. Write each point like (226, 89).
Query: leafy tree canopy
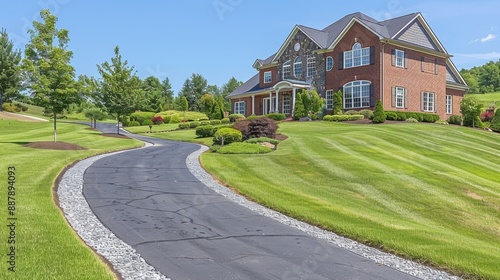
(10, 70)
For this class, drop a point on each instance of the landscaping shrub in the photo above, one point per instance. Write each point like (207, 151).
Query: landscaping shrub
(215, 122)
(226, 136)
(243, 148)
(430, 118)
(158, 120)
(253, 117)
(412, 120)
(392, 116)
(175, 119)
(9, 107)
(166, 119)
(402, 116)
(487, 115)
(236, 117)
(190, 116)
(133, 123)
(495, 121)
(454, 119)
(193, 124)
(351, 112)
(125, 120)
(368, 114)
(379, 114)
(203, 131)
(342, 118)
(147, 122)
(276, 116)
(142, 116)
(262, 140)
(184, 125)
(225, 121)
(261, 127)
(204, 123)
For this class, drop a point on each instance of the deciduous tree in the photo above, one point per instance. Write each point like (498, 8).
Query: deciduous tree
(120, 90)
(51, 77)
(471, 109)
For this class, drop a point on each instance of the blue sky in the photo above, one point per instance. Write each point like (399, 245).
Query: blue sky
(222, 38)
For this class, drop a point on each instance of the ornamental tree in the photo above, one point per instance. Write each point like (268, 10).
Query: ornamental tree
(471, 109)
(379, 114)
(51, 77)
(337, 103)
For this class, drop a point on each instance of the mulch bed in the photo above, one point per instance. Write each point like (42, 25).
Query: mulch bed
(48, 145)
(281, 137)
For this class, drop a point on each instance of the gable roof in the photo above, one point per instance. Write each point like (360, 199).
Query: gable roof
(249, 86)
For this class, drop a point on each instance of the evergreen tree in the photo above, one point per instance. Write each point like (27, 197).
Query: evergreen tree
(337, 103)
(10, 70)
(168, 94)
(299, 111)
(379, 114)
(495, 122)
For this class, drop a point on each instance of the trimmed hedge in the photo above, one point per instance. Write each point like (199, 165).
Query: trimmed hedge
(225, 121)
(148, 122)
(142, 116)
(183, 125)
(204, 123)
(262, 140)
(243, 148)
(175, 119)
(193, 124)
(203, 131)
(133, 123)
(276, 116)
(227, 135)
(403, 116)
(215, 122)
(253, 117)
(342, 118)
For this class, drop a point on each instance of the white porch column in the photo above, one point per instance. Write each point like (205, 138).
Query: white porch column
(294, 90)
(270, 109)
(277, 100)
(253, 104)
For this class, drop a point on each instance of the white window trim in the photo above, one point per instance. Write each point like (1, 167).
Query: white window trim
(268, 77)
(237, 109)
(400, 92)
(399, 59)
(288, 66)
(329, 67)
(352, 57)
(329, 99)
(428, 107)
(311, 66)
(449, 104)
(355, 84)
(295, 65)
(286, 102)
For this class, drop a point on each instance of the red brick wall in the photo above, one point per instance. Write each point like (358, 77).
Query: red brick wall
(338, 78)
(274, 77)
(458, 96)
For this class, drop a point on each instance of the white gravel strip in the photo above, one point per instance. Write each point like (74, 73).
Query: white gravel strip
(122, 256)
(410, 267)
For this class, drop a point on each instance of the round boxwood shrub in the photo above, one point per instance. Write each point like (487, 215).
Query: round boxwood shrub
(183, 125)
(368, 114)
(133, 123)
(194, 124)
(142, 116)
(204, 123)
(253, 117)
(236, 117)
(215, 122)
(203, 131)
(225, 136)
(147, 122)
(225, 121)
(175, 119)
(392, 116)
(454, 119)
(276, 116)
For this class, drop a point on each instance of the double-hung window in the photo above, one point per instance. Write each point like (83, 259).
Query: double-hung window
(357, 56)
(329, 99)
(267, 77)
(399, 97)
(428, 101)
(240, 107)
(287, 70)
(311, 66)
(286, 105)
(399, 58)
(449, 104)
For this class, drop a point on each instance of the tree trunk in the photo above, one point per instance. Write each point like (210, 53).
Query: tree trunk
(55, 127)
(1, 102)
(95, 123)
(118, 125)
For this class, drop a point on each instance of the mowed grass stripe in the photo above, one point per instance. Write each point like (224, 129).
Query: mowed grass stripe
(383, 185)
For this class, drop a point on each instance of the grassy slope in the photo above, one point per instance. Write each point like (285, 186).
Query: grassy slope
(47, 248)
(429, 192)
(488, 98)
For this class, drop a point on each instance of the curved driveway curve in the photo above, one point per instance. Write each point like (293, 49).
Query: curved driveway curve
(150, 199)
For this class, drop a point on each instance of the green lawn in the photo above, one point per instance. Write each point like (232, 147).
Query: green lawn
(488, 99)
(425, 191)
(46, 246)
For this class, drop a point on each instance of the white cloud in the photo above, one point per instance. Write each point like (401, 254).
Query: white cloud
(485, 56)
(488, 37)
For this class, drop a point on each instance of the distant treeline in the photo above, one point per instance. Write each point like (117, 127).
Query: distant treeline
(483, 79)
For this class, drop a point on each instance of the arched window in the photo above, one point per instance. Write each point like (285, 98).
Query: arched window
(287, 70)
(357, 56)
(297, 67)
(329, 63)
(357, 94)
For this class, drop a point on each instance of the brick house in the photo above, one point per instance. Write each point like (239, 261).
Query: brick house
(399, 61)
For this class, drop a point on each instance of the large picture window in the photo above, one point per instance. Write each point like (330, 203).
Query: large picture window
(357, 56)
(357, 94)
(240, 107)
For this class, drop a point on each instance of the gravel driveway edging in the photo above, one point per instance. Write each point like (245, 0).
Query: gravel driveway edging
(382, 258)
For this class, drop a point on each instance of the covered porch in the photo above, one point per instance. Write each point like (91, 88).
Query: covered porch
(278, 99)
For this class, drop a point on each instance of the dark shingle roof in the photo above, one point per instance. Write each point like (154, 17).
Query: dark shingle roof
(318, 36)
(249, 86)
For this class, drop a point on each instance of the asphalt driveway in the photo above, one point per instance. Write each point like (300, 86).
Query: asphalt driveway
(150, 200)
